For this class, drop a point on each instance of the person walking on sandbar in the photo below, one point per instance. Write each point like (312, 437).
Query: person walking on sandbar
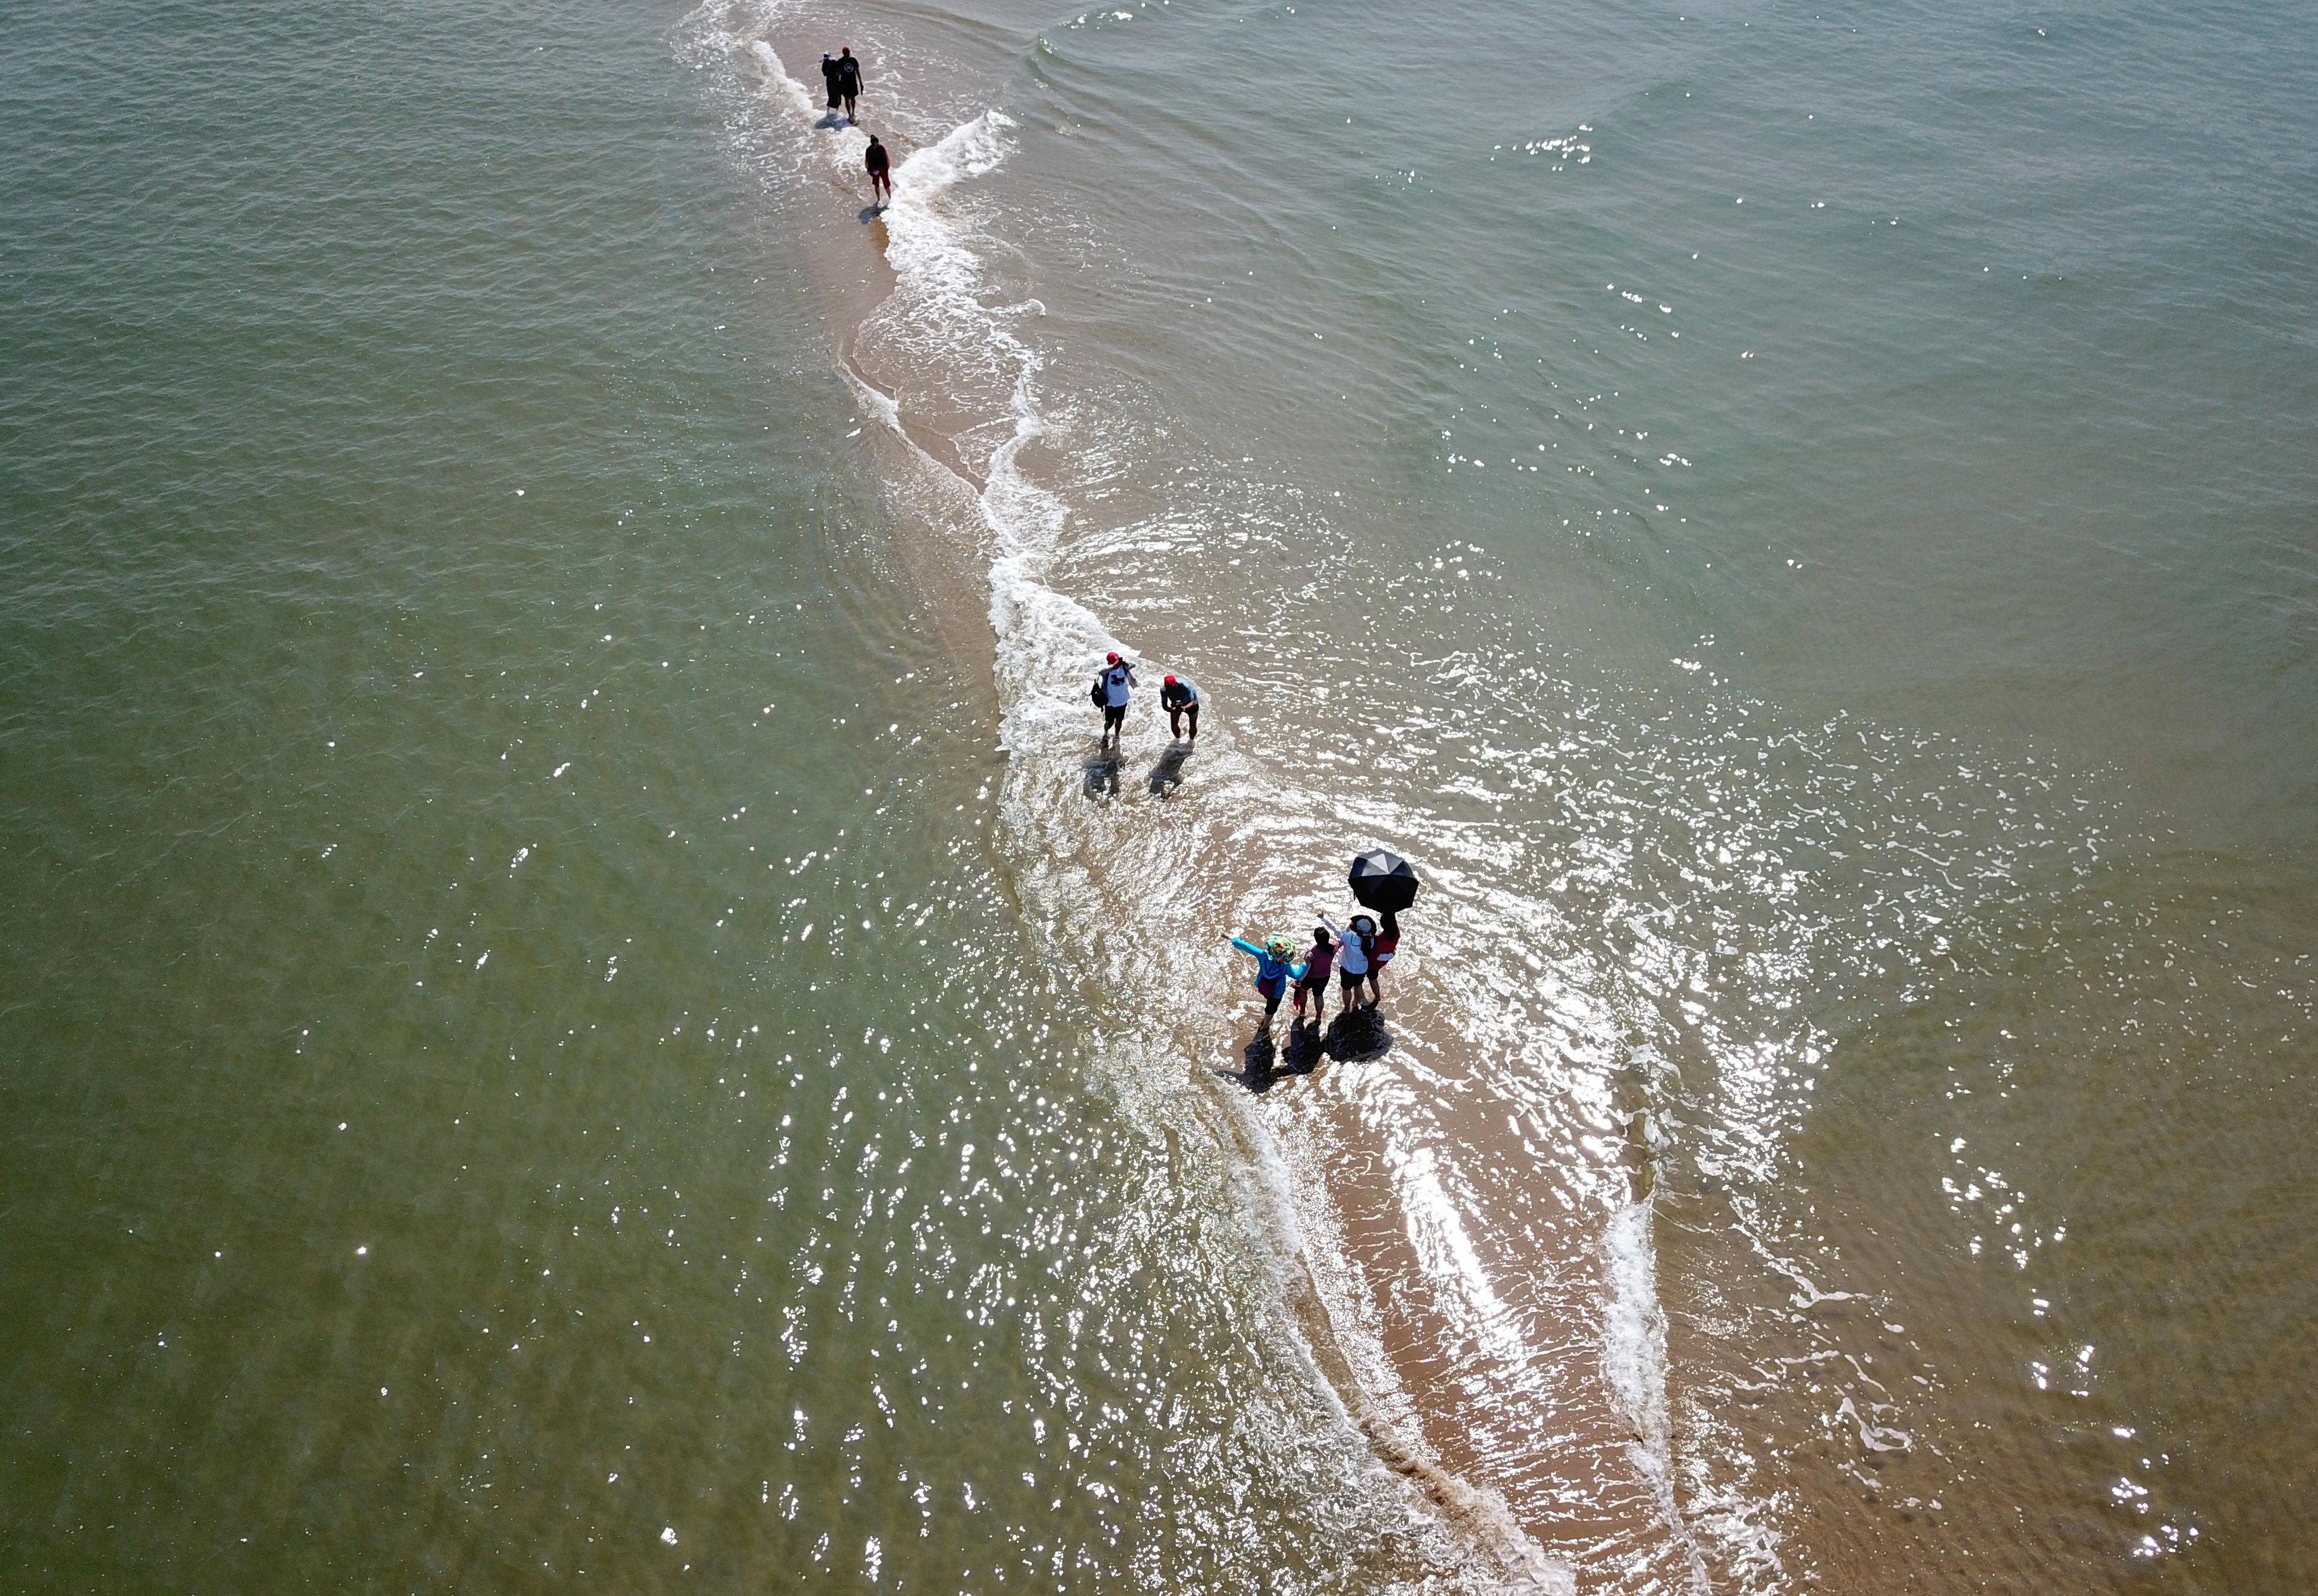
(875, 159)
(1114, 683)
(1275, 969)
(1179, 698)
(848, 81)
(1352, 951)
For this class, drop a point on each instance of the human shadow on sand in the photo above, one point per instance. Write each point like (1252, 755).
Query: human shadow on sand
(1102, 778)
(1260, 1063)
(1265, 1062)
(870, 213)
(1168, 774)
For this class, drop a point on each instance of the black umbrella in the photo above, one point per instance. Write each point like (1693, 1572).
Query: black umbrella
(1382, 880)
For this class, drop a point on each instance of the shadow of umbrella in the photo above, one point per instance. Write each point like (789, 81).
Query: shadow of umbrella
(1168, 774)
(1358, 1034)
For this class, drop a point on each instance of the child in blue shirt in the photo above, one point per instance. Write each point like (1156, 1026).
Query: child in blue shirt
(1275, 967)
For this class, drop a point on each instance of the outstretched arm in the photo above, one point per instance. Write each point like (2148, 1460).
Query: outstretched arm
(1245, 947)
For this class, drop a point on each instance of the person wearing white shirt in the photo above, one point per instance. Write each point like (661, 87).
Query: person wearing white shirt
(1354, 948)
(1116, 683)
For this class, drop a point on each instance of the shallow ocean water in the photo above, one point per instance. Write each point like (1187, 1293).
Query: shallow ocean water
(1790, 518)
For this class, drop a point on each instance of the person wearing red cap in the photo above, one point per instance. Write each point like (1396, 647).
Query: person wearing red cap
(1113, 685)
(1179, 699)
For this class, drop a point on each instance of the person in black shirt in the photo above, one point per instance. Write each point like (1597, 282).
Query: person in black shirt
(874, 158)
(829, 76)
(848, 79)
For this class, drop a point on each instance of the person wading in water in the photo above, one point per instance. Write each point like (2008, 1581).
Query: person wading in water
(848, 81)
(1352, 951)
(1380, 951)
(1275, 968)
(1114, 683)
(1179, 698)
(1318, 960)
(874, 158)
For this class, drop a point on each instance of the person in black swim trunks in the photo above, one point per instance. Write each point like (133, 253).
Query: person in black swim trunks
(875, 159)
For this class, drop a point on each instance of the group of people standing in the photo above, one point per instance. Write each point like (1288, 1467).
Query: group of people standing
(1357, 954)
(842, 74)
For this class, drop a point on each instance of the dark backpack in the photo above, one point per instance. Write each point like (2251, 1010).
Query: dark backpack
(1101, 695)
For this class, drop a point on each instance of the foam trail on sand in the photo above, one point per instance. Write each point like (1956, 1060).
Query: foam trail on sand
(1633, 1361)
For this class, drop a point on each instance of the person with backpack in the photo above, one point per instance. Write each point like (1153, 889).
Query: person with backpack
(1275, 967)
(1114, 683)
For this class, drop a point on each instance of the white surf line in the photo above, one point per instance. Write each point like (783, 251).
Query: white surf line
(1633, 1362)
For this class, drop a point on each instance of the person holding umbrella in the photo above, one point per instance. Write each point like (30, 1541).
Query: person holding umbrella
(1381, 947)
(1382, 881)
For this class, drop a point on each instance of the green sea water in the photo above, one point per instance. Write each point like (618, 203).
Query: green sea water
(578, 1006)
(519, 1069)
